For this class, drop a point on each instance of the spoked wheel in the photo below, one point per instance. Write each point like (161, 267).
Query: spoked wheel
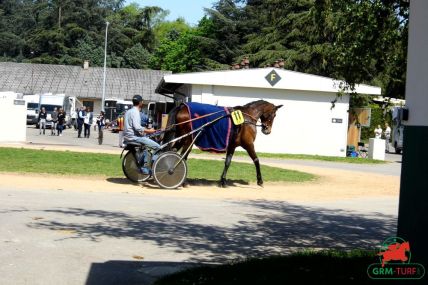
(164, 172)
(132, 170)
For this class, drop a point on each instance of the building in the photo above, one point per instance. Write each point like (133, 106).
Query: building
(83, 82)
(307, 124)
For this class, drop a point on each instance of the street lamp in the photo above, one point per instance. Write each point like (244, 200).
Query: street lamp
(32, 73)
(105, 69)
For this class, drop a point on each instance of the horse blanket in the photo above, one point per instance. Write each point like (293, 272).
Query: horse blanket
(216, 136)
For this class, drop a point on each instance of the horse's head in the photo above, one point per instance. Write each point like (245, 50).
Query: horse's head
(267, 117)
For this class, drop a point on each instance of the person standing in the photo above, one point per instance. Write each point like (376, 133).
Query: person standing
(88, 122)
(100, 124)
(42, 120)
(387, 134)
(80, 120)
(120, 127)
(54, 116)
(74, 118)
(378, 132)
(61, 121)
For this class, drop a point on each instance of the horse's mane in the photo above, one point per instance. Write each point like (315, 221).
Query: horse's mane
(255, 103)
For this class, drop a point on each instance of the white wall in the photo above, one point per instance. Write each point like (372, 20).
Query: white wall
(14, 119)
(302, 126)
(417, 64)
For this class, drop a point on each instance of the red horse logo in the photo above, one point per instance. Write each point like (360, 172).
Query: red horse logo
(395, 251)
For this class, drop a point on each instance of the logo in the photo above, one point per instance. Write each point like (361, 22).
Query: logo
(395, 262)
(273, 77)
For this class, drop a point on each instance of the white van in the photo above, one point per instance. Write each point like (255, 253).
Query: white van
(50, 102)
(32, 102)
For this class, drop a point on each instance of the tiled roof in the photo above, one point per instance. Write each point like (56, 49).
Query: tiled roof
(75, 81)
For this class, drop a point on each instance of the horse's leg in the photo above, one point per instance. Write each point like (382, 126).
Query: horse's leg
(253, 155)
(229, 155)
(185, 142)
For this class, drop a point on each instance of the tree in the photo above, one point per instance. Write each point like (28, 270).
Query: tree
(179, 55)
(87, 50)
(137, 57)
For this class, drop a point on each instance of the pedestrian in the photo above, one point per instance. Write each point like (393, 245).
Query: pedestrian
(61, 121)
(378, 132)
(74, 118)
(88, 120)
(120, 127)
(54, 116)
(387, 134)
(80, 120)
(42, 120)
(100, 124)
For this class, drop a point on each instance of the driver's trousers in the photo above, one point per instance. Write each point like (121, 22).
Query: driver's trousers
(145, 141)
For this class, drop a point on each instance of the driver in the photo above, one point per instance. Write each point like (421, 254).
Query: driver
(133, 131)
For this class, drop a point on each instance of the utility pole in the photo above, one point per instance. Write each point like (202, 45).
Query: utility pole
(105, 69)
(59, 17)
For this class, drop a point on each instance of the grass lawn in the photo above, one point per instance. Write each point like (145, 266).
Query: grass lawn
(326, 267)
(308, 157)
(79, 163)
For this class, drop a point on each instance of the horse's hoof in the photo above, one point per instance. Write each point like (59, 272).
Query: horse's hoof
(185, 185)
(260, 183)
(222, 184)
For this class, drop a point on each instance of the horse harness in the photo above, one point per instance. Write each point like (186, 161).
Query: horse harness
(250, 116)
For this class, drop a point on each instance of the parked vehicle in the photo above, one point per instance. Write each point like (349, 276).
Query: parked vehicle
(50, 102)
(158, 113)
(32, 102)
(398, 128)
(71, 105)
(115, 107)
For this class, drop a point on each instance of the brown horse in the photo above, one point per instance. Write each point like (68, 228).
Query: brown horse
(242, 135)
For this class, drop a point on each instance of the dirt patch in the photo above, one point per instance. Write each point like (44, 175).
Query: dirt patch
(332, 184)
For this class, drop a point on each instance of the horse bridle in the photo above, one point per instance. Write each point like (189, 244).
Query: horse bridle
(263, 126)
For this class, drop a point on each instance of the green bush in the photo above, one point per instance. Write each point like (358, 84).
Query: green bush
(377, 118)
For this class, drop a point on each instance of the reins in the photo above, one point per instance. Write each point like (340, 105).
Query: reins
(160, 131)
(252, 117)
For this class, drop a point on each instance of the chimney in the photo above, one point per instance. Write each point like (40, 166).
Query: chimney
(86, 65)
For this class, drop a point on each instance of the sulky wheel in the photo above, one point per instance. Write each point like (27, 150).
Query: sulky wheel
(164, 172)
(131, 170)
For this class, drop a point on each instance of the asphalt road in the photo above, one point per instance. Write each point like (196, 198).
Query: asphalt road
(63, 237)
(84, 237)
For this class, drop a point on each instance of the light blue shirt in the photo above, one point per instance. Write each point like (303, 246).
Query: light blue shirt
(132, 124)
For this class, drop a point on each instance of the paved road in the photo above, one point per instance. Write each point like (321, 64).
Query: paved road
(72, 237)
(69, 139)
(61, 237)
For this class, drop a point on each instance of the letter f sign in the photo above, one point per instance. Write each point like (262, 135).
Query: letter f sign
(273, 77)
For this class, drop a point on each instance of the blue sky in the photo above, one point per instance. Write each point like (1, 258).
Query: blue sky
(191, 10)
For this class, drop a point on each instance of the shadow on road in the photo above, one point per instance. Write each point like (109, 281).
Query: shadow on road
(191, 182)
(132, 272)
(208, 182)
(271, 228)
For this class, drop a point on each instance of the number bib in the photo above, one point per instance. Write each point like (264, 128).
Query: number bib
(237, 117)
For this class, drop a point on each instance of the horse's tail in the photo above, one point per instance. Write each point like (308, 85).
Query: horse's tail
(170, 130)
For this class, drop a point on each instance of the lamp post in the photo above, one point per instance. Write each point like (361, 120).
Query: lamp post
(32, 74)
(105, 69)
